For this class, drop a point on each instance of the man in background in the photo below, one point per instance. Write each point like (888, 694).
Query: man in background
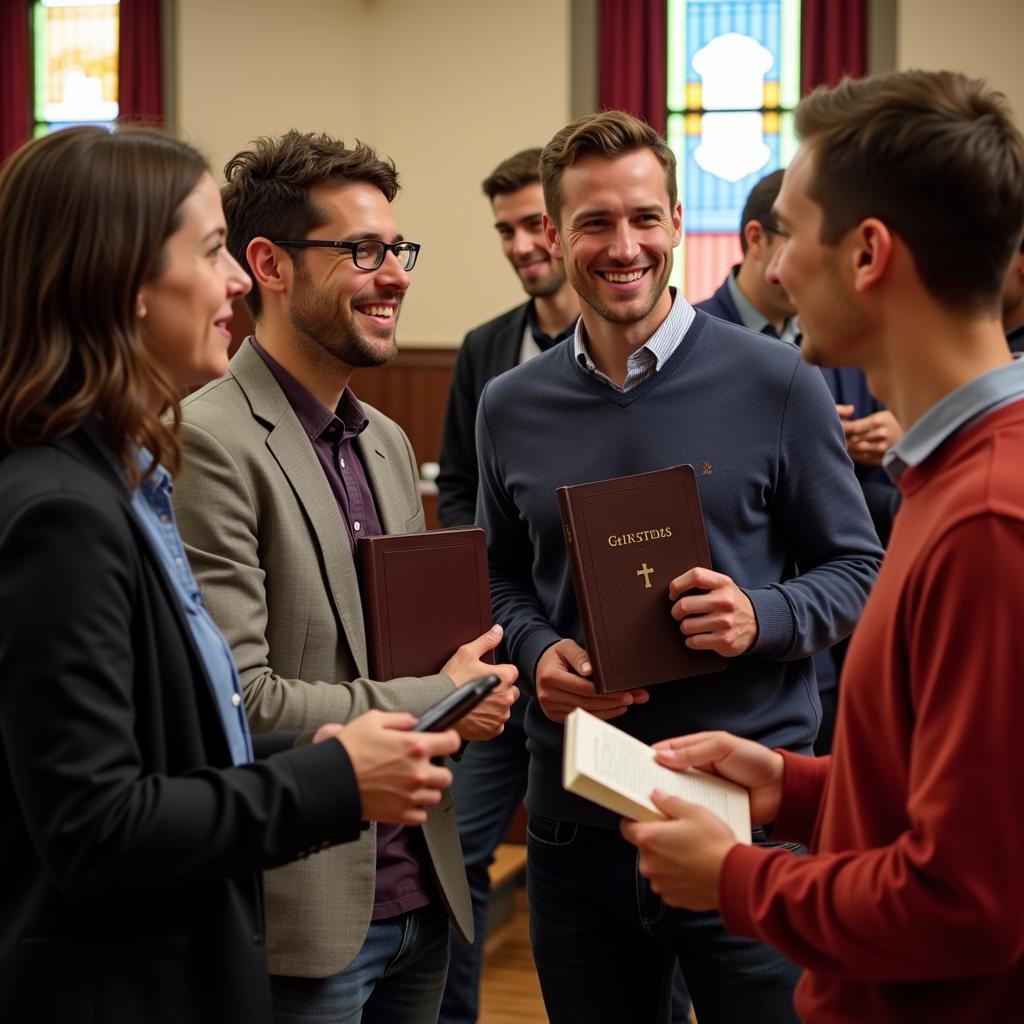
(490, 779)
(546, 318)
(746, 296)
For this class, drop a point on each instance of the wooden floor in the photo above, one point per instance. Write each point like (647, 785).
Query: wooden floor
(510, 992)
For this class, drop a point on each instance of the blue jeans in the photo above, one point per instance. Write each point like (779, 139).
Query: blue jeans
(396, 978)
(605, 945)
(490, 781)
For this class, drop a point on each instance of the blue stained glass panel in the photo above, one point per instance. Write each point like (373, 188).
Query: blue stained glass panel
(708, 19)
(710, 202)
(732, 64)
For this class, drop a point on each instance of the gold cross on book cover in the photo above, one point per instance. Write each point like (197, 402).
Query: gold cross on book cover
(627, 539)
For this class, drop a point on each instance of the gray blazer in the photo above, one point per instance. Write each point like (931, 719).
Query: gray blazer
(272, 558)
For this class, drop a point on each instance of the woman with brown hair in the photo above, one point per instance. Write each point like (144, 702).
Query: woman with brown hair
(133, 816)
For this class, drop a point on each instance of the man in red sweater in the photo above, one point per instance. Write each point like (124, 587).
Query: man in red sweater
(901, 212)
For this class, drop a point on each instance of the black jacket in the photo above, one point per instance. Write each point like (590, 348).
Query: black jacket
(486, 351)
(131, 847)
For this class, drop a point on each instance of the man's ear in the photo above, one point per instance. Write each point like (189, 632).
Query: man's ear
(677, 224)
(270, 266)
(870, 253)
(554, 243)
(753, 235)
(1017, 265)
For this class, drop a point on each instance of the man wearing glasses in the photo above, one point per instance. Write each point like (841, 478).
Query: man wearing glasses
(284, 471)
(747, 297)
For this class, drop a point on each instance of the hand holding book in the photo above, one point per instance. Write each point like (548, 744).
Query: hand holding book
(751, 765)
(719, 618)
(488, 718)
(682, 856)
(619, 772)
(684, 821)
(563, 683)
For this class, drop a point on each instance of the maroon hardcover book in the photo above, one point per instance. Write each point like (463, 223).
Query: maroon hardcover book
(424, 595)
(627, 539)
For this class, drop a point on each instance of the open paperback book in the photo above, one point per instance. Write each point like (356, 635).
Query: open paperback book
(617, 771)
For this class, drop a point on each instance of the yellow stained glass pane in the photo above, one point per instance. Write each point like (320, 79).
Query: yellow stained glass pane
(693, 95)
(771, 123)
(693, 124)
(79, 50)
(771, 94)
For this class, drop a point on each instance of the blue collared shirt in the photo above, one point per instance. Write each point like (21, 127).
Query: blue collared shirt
(152, 504)
(651, 356)
(957, 411)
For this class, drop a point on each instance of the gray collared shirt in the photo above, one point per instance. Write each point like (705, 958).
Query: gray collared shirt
(753, 319)
(651, 356)
(957, 411)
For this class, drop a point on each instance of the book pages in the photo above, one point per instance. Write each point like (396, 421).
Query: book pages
(617, 771)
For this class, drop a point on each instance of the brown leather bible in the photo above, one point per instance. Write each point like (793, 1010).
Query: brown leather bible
(424, 595)
(627, 539)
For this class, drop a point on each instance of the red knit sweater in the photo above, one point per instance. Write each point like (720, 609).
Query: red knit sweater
(911, 904)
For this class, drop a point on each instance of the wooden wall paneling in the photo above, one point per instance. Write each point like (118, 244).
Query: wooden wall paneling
(413, 390)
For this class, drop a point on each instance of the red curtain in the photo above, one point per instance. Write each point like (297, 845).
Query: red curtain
(632, 59)
(835, 42)
(15, 76)
(140, 69)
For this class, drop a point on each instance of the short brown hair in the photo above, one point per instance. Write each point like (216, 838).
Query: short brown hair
(268, 188)
(84, 215)
(935, 156)
(759, 206)
(610, 134)
(512, 174)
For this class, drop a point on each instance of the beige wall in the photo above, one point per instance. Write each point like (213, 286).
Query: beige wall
(447, 88)
(981, 37)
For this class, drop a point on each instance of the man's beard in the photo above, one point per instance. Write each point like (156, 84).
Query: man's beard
(545, 288)
(316, 315)
(590, 294)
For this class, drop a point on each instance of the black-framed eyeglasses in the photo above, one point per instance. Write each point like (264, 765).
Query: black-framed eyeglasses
(772, 230)
(367, 253)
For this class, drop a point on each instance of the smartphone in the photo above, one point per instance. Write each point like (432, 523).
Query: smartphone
(450, 708)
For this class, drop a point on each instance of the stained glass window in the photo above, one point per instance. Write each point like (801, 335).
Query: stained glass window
(733, 81)
(75, 63)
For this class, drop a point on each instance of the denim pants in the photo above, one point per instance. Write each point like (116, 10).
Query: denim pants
(396, 978)
(605, 945)
(490, 781)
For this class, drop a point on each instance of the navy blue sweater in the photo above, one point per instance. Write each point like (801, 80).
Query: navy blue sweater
(784, 514)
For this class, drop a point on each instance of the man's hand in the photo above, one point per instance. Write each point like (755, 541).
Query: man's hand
(488, 718)
(682, 857)
(720, 620)
(562, 686)
(392, 765)
(870, 437)
(748, 764)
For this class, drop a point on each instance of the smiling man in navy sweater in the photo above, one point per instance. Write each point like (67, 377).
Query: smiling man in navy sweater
(648, 382)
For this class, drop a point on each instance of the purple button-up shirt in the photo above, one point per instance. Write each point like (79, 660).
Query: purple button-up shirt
(401, 880)
(332, 435)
